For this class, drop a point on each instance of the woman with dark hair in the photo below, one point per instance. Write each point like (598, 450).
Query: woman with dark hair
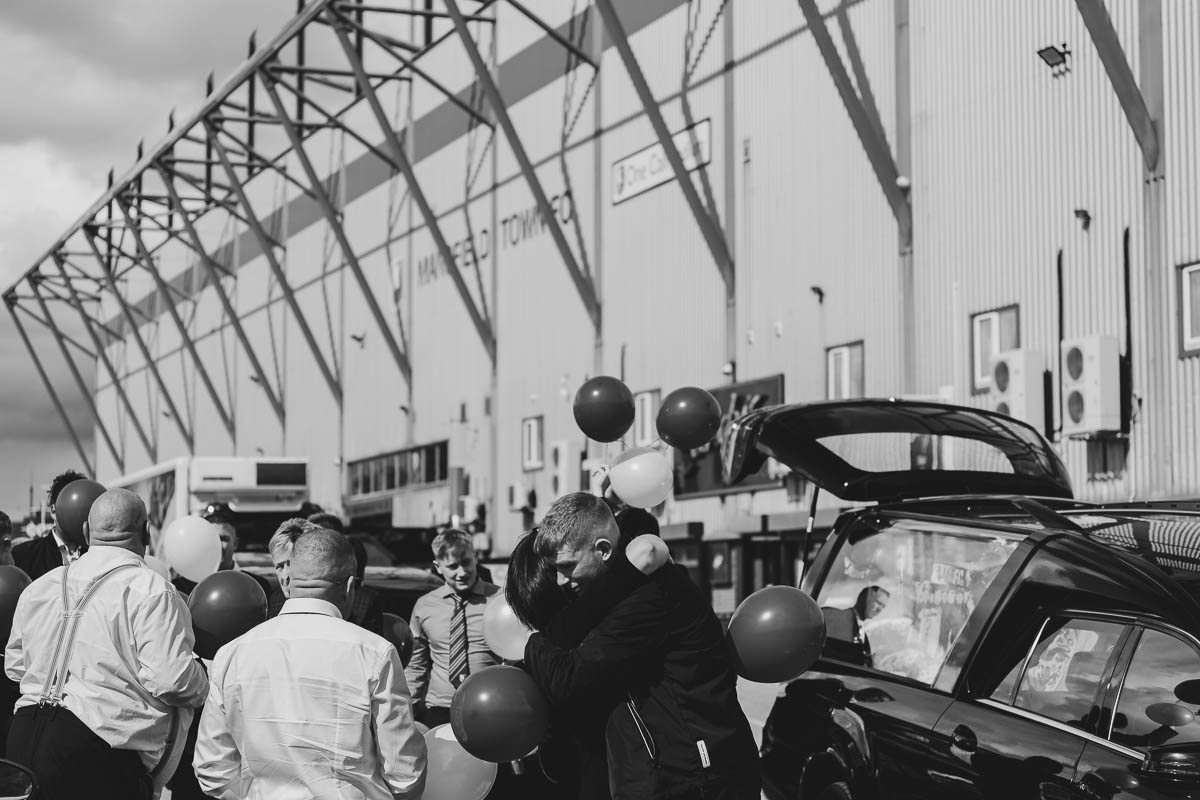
(575, 755)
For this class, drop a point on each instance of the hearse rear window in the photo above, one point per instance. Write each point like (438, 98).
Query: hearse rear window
(897, 599)
(900, 452)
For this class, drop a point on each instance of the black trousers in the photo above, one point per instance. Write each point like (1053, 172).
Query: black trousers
(70, 761)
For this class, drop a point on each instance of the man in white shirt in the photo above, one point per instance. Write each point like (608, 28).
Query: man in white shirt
(309, 705)
(107, 691)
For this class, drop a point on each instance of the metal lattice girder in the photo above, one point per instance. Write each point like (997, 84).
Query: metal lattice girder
(102, 357)
(173, 312)
(267, 245)
(714, 237)
(583, 281)
(37, 363)
(873, 142)
(400, 161)
(1120, 74)
(84, 389)
(134, 331)
(333, 218)
(215, 271)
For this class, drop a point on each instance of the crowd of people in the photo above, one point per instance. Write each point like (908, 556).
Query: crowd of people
(107, 698)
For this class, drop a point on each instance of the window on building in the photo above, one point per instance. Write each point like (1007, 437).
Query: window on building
(645, 422)
(1189, 310)
(416, 466)
(1156, 705)
(992, 332)
(532, 444)
(844, 376)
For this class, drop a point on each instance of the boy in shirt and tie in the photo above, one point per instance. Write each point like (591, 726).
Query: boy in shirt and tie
(447, 628)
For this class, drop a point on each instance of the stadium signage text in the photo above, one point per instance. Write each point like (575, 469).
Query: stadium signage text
(648, 167)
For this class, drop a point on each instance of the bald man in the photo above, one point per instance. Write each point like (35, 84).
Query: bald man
(108, 689)
(308, 704)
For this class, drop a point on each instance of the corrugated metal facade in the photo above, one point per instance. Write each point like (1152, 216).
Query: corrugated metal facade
(1003, 154)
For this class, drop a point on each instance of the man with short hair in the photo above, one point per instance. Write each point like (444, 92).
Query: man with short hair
(280, 547)
(680, 731)
(447, 629)
(307, 704)
(108, 683)
(38, 556)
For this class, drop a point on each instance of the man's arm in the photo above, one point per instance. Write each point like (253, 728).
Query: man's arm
(416, 674)
(14, 651)
(608, 660)
(217, 762)
(402, 754)
(162, 629)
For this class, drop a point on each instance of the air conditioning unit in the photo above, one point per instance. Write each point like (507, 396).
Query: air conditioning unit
(1018, 387)
(521, 498)
(1091, 385)
(564, 469)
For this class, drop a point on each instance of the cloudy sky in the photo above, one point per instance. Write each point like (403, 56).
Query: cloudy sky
(81, 82)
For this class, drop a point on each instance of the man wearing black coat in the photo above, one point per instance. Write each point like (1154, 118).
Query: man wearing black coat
(678, 731)
(45, 553)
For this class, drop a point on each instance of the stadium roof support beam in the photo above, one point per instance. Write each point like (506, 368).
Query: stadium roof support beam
(184, 335)
(334, 219)
(869, 135)
(84, 389)
(215, 271)
(399, 161)
(11, 303)
(714, 237)
(267, 245)
(143, 348)
(1104, 36)
(105, 361)
(583, 281)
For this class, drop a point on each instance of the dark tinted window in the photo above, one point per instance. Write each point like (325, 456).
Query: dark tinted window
(1059, 679)
(276, 474)
(1161, 694)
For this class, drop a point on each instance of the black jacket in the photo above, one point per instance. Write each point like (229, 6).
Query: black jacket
(37, 556)
(661, 652)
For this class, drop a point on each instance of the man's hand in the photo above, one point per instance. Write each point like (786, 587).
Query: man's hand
(648, 553)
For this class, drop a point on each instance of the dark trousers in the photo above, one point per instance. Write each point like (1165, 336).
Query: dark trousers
(70, 761)
(183, 783)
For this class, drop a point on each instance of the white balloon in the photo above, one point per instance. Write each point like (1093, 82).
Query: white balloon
(158, 565)
(504, 633)
(641, 477)
(192, 547)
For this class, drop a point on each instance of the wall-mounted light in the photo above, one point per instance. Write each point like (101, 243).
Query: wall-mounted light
(819, 292)
(1057, 59)
(1085, 219)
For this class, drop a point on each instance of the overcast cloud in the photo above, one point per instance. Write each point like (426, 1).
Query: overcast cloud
(82, 82)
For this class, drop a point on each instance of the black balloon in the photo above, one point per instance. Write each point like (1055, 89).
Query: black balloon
(398, 632)
(776, 634)
(499, 714)
(73, 504)
(688, 418)
(13, 581)
(604, 408)
(224, 606)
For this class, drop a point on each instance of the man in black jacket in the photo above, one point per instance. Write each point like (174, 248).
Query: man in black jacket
(679, 731)
(43, 554)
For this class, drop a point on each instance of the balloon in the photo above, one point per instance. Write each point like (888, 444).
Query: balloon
(13, 581)
(451, 772)
(224, 606)
(604, 409)
(398, 632)
(499, 714)
(688, 418)
(73, 504)
(192, 546)
(422, 728)
(158, 565)
(641, 477)
(776, 634)
(504, 633)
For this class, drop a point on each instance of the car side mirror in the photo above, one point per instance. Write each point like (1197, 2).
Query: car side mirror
(1176, 763)
(16, 782)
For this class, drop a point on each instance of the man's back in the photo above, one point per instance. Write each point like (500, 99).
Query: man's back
(308, 705)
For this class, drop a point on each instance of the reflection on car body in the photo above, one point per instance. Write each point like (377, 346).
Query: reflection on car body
(1028, 645)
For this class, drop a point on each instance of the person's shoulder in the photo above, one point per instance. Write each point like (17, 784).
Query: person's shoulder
(486, 588)
(430, 598)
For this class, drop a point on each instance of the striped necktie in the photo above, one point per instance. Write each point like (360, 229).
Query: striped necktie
(459, 668)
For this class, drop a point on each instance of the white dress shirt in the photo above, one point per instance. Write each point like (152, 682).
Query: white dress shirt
(308, 705)
(132, 671)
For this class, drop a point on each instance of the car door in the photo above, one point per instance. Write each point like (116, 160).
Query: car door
(1152, 709)
(1018, 734)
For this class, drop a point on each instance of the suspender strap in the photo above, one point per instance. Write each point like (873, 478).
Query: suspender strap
(56, 676)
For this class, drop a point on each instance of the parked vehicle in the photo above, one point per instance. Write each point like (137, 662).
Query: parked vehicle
(988, 636)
